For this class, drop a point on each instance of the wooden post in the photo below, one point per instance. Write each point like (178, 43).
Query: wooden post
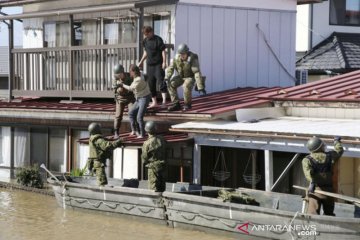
(268, 170)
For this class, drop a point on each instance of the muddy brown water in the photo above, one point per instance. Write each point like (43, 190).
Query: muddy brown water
(32, 216)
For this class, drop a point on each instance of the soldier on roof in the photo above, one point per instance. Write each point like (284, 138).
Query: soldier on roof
(186, 64)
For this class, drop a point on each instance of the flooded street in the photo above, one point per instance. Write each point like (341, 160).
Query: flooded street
(31, 216)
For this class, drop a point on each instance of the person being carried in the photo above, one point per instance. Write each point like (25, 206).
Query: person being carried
(155, 64)
(100, 149)
(140, 88)
(186, 64)
(123, 97)
(318, 167)
(154, 156)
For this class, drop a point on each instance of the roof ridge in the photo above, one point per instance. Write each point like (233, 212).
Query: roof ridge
(339, 49)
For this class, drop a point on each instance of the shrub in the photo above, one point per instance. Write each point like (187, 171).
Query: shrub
(78, 172)
(30, 177)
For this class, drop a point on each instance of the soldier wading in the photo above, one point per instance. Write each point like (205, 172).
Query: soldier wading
(318, 171)
(100, 149)
(154, 156)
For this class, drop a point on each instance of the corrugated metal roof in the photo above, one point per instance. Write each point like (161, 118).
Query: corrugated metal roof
(291, 126)
(342, 88)
(170, 137)
(210, 106)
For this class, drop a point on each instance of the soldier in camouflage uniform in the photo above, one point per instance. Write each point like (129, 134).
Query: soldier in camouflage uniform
(123, 97)
(187, 66)
(154, 156)
(317, 169)
(100, 150)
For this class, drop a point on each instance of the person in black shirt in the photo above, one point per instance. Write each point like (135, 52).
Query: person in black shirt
(156, 63)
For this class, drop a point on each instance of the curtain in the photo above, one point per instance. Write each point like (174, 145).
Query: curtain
(128, 32)
(50, 34)
(82, 151)
(111, 33)
(62, 35)
(90, 33)
(5, 137)
(21, 149)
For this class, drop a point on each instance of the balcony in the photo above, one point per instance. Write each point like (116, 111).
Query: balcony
(73, 72)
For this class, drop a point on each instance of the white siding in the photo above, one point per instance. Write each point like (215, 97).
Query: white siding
(231, 49)
(321, 27)
(260, 4)
(4, 61)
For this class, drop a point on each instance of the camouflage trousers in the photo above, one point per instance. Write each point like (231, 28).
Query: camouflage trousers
(156, 180)
(317, 200)
(119, 111)
(177, 81)
(99, 169)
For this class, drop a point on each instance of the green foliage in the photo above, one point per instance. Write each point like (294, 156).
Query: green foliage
(30, 177)
(77, 172)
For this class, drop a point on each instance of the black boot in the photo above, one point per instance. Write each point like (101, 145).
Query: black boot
(174, 107)
(187, 107)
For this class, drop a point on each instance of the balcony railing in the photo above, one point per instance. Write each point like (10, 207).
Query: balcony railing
(78, 71)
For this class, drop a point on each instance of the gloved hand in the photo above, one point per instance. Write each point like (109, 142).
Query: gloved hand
(118, 143)
(337, 139)
(311, 188)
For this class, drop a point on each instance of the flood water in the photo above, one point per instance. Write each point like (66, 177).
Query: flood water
(32, 216)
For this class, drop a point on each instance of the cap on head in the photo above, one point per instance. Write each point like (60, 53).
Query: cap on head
(182, 48)
(150, 127)
(118, 69)
(314, 144)
(94, 128)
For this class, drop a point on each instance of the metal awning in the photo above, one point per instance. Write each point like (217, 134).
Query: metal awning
(281, 134)
(99, 8)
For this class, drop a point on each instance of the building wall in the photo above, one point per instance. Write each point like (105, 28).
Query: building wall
(321, 27)
(232, 50)
(349, 176)
(302, 28)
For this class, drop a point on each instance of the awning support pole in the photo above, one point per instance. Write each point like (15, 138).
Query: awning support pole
(286, 170)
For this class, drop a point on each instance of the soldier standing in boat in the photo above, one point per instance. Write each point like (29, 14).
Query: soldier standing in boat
(100, 149)
(317, 169)
(154, 156)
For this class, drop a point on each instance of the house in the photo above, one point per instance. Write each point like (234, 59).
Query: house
(323, 29)
(271, 140)
(245, 48)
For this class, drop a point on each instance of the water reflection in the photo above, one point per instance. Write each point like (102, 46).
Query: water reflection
(31, 216)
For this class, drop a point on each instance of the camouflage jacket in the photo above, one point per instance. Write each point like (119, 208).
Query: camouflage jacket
(121, 93)
(321, 159)
(154, 151)
(185, 69)
(100, 149)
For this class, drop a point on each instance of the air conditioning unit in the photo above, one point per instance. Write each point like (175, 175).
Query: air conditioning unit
(301, 76)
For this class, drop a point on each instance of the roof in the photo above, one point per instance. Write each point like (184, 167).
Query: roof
(342, 88)
(340, 52)
(211, 106)
(294, 127)
(170, 137)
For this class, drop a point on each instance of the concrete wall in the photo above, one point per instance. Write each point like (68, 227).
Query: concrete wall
(231, 48)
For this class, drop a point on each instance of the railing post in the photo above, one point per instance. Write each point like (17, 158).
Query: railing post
(11, 58)
(140, 34)
(71, 54)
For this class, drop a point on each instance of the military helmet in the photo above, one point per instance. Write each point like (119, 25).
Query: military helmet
(150, 127)
(118, 69)
(314, 144)
(182, 48)
(94, 128)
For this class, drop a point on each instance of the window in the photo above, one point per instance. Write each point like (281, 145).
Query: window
(345, 12)
(57, 149)
(5, 135)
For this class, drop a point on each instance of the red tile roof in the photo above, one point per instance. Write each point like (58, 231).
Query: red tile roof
(342, 88)
(209, 106)
(170, 137)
